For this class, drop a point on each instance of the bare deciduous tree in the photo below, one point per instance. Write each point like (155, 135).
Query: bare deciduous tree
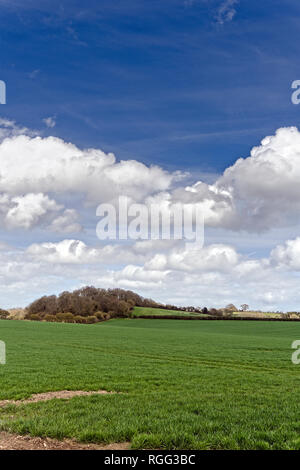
(244, 307)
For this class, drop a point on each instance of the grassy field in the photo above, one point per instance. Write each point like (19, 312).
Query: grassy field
(198, 385)
(145, 311)
(142, 311)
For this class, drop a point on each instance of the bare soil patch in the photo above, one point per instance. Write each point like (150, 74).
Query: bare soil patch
(62, 394)
(15, 442)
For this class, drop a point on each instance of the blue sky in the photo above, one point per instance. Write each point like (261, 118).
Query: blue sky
(164, 82)
(178, 91)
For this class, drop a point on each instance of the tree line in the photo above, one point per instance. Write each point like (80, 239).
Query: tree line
(87, 305)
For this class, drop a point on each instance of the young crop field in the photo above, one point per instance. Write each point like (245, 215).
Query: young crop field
(184, 385)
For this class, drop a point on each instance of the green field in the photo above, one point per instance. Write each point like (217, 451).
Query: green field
(144, 311)
(198, 385)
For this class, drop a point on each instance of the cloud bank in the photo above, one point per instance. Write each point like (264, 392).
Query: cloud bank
(49, 189)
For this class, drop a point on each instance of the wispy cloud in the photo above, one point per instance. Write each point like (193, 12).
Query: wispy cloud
(226, 11)
(189, 3)
(33, 74)
(50, 121)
